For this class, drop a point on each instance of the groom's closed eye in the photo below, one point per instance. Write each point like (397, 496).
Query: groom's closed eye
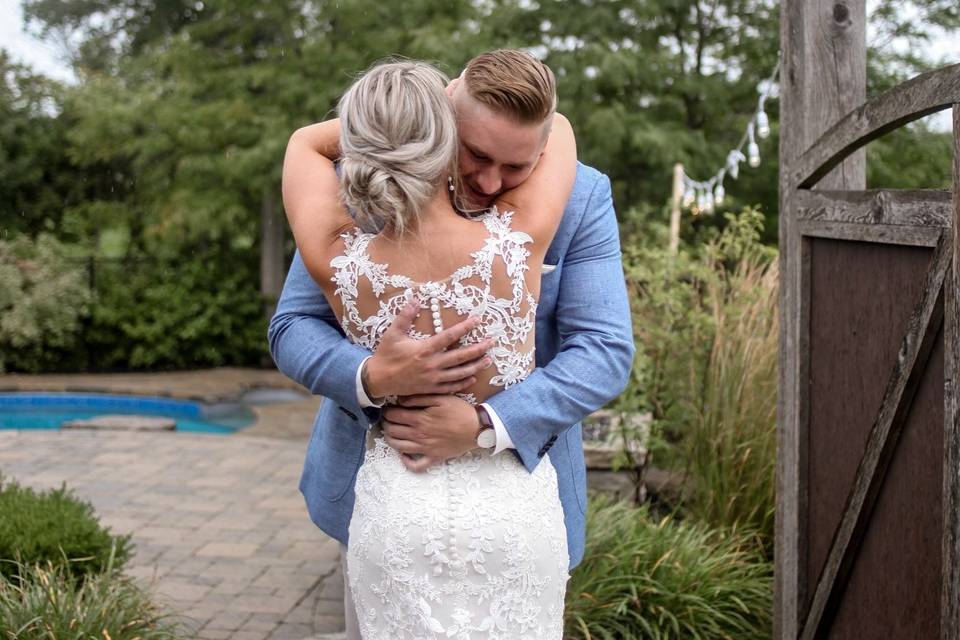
(479, 157)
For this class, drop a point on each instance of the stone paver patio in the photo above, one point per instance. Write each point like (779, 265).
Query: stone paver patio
(221, 531)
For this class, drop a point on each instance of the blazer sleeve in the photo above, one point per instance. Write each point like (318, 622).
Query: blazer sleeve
(308, 346)
(596, 339)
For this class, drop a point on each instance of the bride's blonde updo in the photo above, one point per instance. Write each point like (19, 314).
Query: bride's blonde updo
(398, 141)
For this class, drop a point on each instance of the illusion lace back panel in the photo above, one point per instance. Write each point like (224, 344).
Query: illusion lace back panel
(474, 547)
(493, 286)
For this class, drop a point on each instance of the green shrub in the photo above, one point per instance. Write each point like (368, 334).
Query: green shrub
(705, 324)
(666, 580)
(45, 603)
(54, 527)
(185, 309)
(43, 299)
(199, 311)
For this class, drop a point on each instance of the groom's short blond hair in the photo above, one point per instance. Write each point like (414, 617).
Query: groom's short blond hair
(513, 83)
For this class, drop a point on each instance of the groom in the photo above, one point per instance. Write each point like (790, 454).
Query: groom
(505, 102)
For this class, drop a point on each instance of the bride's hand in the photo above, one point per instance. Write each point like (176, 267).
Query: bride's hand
(402, 366)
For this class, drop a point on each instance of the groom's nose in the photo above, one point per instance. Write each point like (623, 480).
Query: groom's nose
(489, 182)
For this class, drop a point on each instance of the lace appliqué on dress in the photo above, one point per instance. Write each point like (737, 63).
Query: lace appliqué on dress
(500, 318)
(474, 548)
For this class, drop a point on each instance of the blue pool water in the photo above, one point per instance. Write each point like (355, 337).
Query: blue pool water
(49, 410)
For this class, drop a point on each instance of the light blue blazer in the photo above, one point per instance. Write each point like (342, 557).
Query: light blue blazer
(584, 352)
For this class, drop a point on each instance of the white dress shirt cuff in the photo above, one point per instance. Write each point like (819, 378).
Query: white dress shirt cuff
(362, 399)
(503, 437)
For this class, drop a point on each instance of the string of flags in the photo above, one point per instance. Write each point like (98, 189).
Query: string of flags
(703, 196)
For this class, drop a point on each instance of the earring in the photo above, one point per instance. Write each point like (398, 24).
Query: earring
(450, 183)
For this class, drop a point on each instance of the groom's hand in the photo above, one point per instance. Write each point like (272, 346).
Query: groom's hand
(434, 427)
(402, 366)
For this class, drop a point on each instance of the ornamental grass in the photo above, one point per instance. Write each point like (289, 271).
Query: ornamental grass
(47, 603)
(666, 579)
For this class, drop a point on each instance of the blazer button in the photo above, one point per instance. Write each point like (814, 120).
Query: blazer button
(348, 413)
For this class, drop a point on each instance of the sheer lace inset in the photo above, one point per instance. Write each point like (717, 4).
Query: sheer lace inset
(475, 547)
(505, 305)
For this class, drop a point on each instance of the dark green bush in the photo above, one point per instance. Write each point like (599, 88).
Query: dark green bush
(666, 580)
(46, 603)
(56, 527)
(202, 311)
(187, 309)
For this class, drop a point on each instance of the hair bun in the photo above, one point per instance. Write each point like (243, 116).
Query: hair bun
(377, 195)
(398, 140)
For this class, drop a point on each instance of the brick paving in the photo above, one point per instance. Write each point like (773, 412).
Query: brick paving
(222, 535)
(220, 527)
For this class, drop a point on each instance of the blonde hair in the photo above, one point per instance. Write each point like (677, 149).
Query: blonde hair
(514, 83)
(398, 142)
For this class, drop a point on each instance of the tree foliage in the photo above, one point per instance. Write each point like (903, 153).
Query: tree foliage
(192, 102)
(172, 139)
(36, 178)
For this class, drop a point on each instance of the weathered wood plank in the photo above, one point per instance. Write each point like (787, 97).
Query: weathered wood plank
(789, 576)
(803, 422)
(789, 524)
(836, 62)
(925, 94)
(950, 595)
(868, 232)
(922, 207)
(911, 360)
(823, 48)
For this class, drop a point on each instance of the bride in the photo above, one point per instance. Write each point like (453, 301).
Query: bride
(475, 547)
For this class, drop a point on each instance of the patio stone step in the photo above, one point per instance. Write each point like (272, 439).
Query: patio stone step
(122, 423)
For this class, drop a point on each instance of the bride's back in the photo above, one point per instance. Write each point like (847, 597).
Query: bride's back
(455, 269)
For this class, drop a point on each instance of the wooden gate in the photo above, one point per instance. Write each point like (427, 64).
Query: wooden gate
(868, 473)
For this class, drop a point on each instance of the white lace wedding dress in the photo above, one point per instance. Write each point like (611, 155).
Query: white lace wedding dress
(474, 547)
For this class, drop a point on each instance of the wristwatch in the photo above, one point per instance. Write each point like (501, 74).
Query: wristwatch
(486, 435)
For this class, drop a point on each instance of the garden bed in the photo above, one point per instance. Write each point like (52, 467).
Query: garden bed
(619, 462)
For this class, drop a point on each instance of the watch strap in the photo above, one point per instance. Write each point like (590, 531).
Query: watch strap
(485, 423)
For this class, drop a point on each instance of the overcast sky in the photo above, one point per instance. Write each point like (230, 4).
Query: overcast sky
(45, 57)
(23, 48)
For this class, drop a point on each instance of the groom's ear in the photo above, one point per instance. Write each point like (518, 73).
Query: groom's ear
(453, 84)
(547, 130)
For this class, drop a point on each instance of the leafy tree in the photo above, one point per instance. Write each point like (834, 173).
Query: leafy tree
(170, 146)
(913, 157)
(207, 92)
(199, 116)
(98, 33)
(912, 21)
(33, 186)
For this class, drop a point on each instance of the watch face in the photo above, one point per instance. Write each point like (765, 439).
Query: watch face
(487, 438)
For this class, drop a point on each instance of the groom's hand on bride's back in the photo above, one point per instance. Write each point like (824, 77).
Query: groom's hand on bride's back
(403, 366)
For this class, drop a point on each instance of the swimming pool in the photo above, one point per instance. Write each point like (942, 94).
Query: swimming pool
(20, 410)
